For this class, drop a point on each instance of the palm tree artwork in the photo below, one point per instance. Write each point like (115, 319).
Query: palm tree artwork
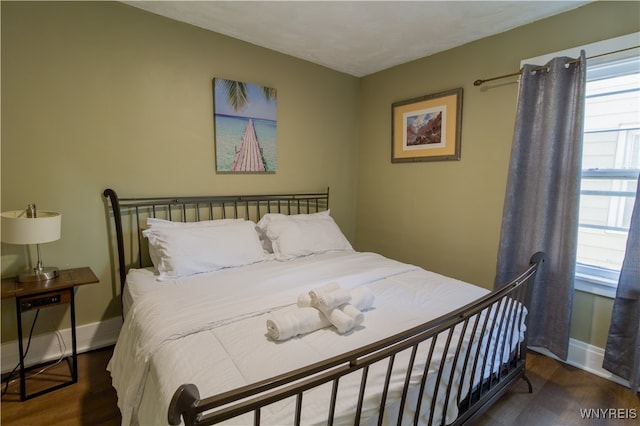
(244, 127)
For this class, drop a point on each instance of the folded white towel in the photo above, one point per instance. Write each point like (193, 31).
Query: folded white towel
(310, 315)
(287, 323)
(362, 298)
(340, 320)
(327, 300)
(304, 300)
(356, 315)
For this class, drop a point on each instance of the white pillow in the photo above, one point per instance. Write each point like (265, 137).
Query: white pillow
(273, 217)
(186, 251)
(303, 234)
(153, 222)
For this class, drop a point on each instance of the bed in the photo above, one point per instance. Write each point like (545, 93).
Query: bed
(256, 310)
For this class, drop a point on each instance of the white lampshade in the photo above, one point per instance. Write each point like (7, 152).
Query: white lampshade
(17, 228)
(32, 226)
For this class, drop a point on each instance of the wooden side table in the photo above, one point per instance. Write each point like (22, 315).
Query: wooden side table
(45, 294)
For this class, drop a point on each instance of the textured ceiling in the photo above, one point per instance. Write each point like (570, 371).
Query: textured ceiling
(358, 37)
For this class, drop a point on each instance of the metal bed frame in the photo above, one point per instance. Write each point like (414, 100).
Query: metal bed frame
(496, 312)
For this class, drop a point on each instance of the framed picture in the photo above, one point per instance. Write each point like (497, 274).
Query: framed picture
(244, 116)
(427, 128)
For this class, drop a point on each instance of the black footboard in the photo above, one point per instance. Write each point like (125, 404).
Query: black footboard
(468, 359)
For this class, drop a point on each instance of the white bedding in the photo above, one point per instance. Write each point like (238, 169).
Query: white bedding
(209, 330)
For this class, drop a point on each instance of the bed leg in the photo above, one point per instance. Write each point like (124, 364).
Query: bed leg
(181, 404)
(526, 379)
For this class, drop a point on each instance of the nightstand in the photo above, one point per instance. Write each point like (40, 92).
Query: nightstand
(45, 294)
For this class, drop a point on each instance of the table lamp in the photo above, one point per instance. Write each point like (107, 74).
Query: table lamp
(32, 227)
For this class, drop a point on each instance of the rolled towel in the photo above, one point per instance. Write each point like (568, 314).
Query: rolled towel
(340, 320)
(327, 300)
(362, 298)
(284, 324)
(353, 312)
(304, 300)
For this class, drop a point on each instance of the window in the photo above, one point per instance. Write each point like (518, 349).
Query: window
(610, 159)
(610, 167)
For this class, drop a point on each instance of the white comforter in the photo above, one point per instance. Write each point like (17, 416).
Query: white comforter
(209, 330)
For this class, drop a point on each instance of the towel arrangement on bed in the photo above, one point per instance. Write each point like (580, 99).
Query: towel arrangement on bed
(320, 308)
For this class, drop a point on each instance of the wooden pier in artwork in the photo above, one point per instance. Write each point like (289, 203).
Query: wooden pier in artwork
(249, 157)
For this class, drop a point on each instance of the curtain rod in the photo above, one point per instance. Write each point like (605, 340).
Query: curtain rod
(544, 67)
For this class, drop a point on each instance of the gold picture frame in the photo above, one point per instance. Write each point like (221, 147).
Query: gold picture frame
(427, 128)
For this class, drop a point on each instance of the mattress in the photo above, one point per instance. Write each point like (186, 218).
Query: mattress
(210, 330)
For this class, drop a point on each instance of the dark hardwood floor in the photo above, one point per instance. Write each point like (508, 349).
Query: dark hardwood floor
(91, 401)
(560, 392)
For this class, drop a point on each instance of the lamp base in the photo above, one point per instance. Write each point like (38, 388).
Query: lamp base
(38, 274)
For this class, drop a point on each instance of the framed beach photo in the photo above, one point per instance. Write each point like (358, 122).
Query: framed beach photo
(427, 128)
(244, 117)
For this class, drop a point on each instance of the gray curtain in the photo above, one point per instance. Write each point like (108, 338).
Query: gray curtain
(542, 197)
(622, 353)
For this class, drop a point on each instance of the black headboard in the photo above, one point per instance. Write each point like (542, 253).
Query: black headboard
(130, 214)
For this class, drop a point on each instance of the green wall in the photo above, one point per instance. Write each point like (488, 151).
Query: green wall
(445, 216)
(98, 95)
(101, 94)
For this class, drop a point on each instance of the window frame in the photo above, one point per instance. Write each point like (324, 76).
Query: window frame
(589, 278)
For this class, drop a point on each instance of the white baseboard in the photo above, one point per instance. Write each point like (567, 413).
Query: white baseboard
(51, 346)
(586, 357)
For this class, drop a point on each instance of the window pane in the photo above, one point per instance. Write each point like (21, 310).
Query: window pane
(601, 248)
(613, 149)
(611, 145)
